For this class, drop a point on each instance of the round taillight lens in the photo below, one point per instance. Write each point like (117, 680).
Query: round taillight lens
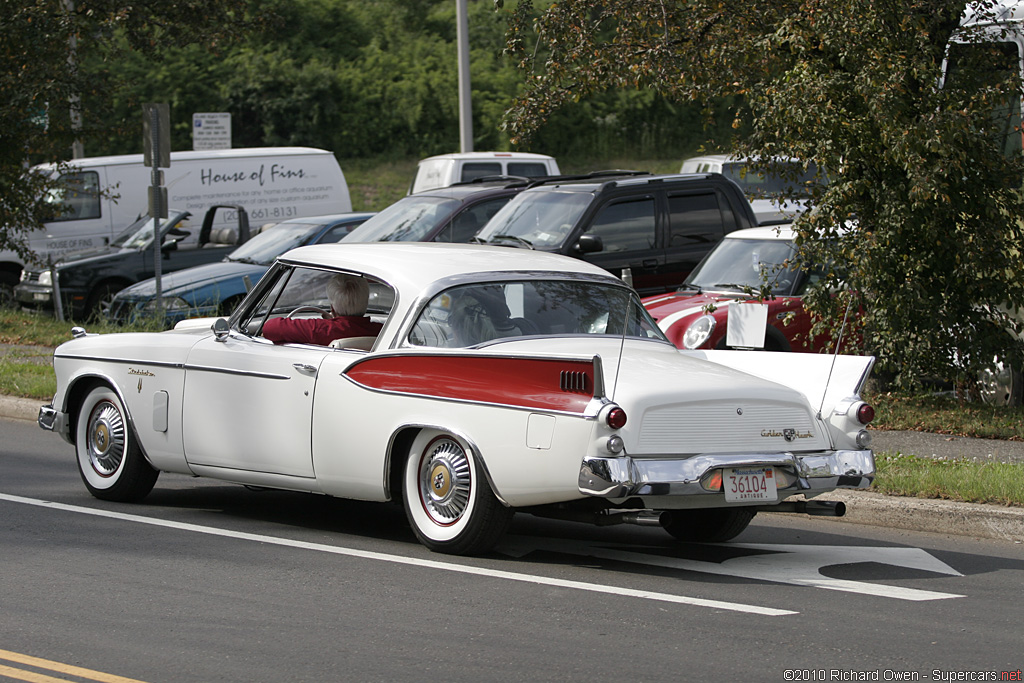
(616, 418)
(865, 414)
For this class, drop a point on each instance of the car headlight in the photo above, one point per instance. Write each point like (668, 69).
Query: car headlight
(46, 278)
(169, 303)
(699, 332)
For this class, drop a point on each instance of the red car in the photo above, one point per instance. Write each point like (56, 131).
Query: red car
(698, 314)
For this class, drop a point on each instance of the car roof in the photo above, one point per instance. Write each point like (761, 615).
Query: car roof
(489, 155)
(327, 218)
(415, 265)
(627, 178)
(783, 231)
(463, 191)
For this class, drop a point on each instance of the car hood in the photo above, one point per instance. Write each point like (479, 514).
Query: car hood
(193, 278)
(75, 258)
(667, 309)
(672, 398)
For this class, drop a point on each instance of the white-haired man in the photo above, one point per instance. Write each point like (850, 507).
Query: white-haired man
(349, 295)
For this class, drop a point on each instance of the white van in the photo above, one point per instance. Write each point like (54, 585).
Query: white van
(271, 183)
(447, 169)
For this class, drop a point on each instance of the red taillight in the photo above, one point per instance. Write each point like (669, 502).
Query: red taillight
(616, 418)
(865, 414)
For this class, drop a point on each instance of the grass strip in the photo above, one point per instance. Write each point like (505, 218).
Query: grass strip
(969, 481)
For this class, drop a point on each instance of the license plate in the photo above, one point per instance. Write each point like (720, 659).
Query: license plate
(750, 483)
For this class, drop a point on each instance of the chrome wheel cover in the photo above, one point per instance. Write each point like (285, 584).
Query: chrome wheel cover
(105, 439)
(996, 384)
(445, 482)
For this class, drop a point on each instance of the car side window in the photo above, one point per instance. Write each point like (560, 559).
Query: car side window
(696, 219)
(467, 223)
(626, 226)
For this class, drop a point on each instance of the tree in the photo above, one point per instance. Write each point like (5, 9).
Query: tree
(920, 226)
(42, 45)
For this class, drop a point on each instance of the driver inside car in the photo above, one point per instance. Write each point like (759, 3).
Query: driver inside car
(349, 296)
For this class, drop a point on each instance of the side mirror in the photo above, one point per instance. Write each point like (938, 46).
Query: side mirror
(588, 244)
(221, 329)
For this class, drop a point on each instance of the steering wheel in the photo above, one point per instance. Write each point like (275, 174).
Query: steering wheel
(308, 309)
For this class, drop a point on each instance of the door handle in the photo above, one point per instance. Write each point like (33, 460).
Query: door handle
(650, 263)
(305, 367)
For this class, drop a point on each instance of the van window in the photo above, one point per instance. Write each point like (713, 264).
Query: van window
(527, 169)
(77, 198)
(626, 226)
(479, 169)
(695, 219)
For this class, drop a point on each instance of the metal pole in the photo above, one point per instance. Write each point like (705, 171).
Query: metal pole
(154, 133)
(465, 95)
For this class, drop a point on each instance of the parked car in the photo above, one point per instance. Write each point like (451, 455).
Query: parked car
(87, 281)
(217, 288)
(448, 169)
(775, 197)
(651, 229)
(501, 381)
(724, 281)
(446, 214)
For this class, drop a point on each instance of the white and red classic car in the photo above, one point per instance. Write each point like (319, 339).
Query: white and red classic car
(503, 380)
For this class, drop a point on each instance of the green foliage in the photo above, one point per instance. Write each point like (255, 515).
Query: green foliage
(920, 225)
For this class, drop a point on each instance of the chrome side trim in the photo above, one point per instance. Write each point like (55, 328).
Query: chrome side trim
(625, 476)
(231, 371)
(121, 361)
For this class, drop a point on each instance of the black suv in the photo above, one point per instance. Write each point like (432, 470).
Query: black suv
(445, 214)
(654, 227)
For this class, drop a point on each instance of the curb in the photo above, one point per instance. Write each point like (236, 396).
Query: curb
(20, 408)
(862, 507)
(931, 515)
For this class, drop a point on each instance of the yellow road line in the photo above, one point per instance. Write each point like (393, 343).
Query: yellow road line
(57, 667)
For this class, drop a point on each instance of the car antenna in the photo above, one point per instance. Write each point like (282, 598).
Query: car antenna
(622, 342)
(839, 339)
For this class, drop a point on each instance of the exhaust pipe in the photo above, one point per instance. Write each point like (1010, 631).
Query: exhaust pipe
(815, 508)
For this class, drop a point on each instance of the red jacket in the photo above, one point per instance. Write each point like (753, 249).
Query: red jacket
(317, 330)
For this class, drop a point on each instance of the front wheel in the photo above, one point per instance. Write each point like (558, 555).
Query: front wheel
(109, 458)
(448, 501)
(709, 525)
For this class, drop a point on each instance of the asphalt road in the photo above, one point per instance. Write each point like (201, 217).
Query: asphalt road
(211, 582)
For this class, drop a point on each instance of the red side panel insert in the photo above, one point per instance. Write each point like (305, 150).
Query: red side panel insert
(544, 384)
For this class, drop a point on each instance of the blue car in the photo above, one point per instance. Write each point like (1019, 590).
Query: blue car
(217, 288)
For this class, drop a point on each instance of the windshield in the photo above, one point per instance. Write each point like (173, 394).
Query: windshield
(540, 219)
(789, 179)
(138, 235)
(736, 264)
(408, 220)
(268, 245)
(483, 312)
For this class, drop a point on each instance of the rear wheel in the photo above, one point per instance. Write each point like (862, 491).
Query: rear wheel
(448, 501)
(711, 525)
(109, 458)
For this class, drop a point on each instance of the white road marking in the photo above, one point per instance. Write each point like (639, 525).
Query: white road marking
(799, 565)
(398, 559)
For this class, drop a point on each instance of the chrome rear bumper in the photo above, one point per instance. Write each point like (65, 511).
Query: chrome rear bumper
(624, 476)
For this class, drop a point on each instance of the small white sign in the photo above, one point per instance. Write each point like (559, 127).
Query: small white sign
(211, 131)
(747, 325)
